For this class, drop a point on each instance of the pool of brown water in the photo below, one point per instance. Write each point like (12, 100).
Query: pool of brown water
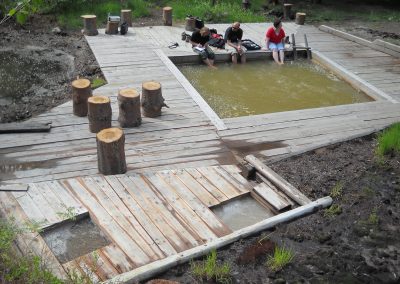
(264, 87)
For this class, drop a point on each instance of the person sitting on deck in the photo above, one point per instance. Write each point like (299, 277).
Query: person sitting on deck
(199, 43)
(233, 38)
(274, 41)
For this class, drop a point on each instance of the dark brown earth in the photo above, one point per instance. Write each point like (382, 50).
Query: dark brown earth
(361, 244)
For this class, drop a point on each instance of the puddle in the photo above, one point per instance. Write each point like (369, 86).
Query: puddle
(74, 239)
(242, 212)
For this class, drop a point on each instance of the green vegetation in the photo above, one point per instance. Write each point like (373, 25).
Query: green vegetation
(222, 11)
(389, 141)
(209, 269)
(98, 82)
(20, 269)
(68, 214)
(333, 210)
(367, 192)
(373, 218)
(337, 190)
(282, 257)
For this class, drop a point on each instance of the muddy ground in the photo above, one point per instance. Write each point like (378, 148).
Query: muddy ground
(359, 244)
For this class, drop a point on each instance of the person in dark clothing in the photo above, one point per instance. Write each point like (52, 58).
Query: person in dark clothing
(199, 41)
(233, 38)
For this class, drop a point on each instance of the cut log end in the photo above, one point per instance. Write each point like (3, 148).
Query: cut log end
(88, 16)
(81, 83)
(151, 86)
(167, 9)
(110, 135)
(99, 100)
(129, 93)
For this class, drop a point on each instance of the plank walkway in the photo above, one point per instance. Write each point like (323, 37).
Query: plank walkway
(146, 217)
(175, 173)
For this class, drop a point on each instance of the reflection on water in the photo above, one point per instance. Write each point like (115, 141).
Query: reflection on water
(260, 87)
(242, 212)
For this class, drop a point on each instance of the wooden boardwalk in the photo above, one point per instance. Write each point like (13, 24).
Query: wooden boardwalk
(179, 164)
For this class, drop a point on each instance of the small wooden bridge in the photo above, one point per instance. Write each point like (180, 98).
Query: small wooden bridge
(177, 162)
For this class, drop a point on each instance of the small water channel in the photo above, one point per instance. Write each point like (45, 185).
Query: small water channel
(264, 87)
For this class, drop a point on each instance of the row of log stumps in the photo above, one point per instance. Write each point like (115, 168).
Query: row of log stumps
(110, 141)
(90, 23)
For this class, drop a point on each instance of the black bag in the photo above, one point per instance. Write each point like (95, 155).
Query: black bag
(199, 23)
(250, 45)
(124, 28)
(217, 42)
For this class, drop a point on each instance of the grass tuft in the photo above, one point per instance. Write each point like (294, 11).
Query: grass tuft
(337, 190)
(389, 141)
(281, 257)
(98, 82)
(333, 210)
(210, 270)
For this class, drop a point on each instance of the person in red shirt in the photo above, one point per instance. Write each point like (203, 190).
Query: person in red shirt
(274, 40)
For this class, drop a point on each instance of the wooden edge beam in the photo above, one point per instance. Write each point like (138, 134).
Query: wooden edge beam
(24, 127)
(149, 270)
(277, 180)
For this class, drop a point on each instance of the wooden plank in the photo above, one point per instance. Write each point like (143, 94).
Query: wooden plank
(197, 189)
(213, 190)
(24, 127)
(108, 225)
(117, 258)
(239, 186)
(30, 208)
(118, 211)
(181, 208)
(14, 187)
(141, 216)
(178, 234)
(224, 186)
(208, 217)
(271, 197)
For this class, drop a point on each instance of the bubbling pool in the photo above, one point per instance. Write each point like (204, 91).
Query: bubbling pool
(260, 87)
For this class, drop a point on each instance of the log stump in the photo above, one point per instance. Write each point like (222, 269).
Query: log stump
(245, 4)
(287, 9)
(300, 18)
(152, 99)
(81, 91)
(111, 151)
(190, 24)
(112, 28)
(126, 16)
(89, 25)
(167, 16)
(129, 108)
(99, 113)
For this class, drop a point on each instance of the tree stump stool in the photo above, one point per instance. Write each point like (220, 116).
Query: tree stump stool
(129, 108)
(99, 113)
(300, 18)
(81, 91)
(190, 24)
(126, 16)
(152, 99)
(111, 151)
(167, 16)
(287, 9)
(89, 25)
(112, 28)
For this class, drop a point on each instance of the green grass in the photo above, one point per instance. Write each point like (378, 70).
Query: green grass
(70, 15)
(98, 82)
(389, 141)
(223, 11)
(20, 269)
(333, 210)
(336, 191)
(281, 257)
(373, 218)
(210, 270)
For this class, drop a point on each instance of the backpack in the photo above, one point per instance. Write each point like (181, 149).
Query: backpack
(199, 23)
(124, 28)
(250, 45)
(217, 42)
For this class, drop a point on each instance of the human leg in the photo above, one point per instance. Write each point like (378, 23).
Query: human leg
(275, 56)
(243, 55)
(281, 49)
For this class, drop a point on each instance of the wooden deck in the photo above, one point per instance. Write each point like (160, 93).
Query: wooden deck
(178, 164)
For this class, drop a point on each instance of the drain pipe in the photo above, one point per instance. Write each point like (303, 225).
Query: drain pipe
(152, 269)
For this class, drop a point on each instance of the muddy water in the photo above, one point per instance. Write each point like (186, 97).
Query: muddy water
(260, 87)
(74, 239)
(235, 214)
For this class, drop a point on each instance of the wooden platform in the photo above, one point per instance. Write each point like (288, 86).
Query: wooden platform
(146, 217)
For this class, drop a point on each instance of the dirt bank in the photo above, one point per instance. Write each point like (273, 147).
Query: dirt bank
(360, 243)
